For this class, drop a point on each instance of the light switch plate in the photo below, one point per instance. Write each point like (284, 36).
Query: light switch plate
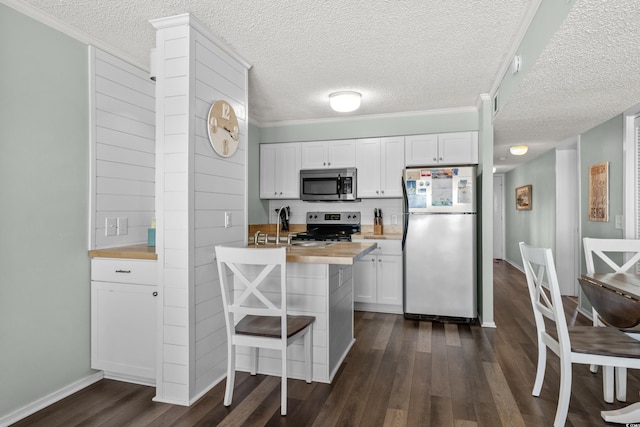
(618, 222)
(110, 227)
(123, 226)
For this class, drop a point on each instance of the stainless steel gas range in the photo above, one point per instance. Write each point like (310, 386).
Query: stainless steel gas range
(330, 226)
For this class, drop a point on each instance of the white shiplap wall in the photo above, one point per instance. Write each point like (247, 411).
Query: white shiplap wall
(195, 187)
(122, 148)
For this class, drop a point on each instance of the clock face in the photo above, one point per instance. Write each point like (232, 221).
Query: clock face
(222, 125)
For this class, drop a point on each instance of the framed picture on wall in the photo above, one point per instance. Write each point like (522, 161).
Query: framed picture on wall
(599, 192)
(523, 198)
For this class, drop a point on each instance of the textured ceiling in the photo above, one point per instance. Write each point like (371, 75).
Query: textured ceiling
(587, 74)
(403, 56)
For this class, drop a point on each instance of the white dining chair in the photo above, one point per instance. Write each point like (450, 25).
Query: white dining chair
(256, 313)
(604, 346)
(604, 249)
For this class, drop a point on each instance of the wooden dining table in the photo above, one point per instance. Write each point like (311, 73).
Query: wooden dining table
(616, 298)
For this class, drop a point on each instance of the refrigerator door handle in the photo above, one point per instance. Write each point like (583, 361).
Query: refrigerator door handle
(406, 213)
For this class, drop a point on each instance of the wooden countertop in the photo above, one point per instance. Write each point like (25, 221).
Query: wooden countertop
(344, 253)
(132, 252)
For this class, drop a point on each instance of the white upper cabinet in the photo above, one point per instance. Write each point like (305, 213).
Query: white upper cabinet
(455, 148)
(380, 162)
(328, 154)
(280, 171)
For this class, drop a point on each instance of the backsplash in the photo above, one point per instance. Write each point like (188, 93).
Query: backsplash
(299, 209)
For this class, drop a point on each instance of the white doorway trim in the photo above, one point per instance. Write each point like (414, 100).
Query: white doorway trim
(498, 217)
(568, 217)
(630, 167)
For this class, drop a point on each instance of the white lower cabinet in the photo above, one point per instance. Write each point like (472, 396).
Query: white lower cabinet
(378, 278)
(123, 319)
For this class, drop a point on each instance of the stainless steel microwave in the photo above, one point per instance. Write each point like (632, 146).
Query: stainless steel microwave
(328, 185)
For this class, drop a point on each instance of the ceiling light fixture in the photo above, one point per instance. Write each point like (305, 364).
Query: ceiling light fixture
(518, 150)
(345, 102)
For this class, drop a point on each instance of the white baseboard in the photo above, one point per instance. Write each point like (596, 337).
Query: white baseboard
(49, 399)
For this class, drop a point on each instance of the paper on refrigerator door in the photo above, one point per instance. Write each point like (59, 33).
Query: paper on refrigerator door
(416, 197)
(464, 191)
(442, 192)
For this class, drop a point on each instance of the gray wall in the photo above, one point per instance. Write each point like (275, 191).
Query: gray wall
(602, 144)
(45, 284)
(537, 226)
(365, 127)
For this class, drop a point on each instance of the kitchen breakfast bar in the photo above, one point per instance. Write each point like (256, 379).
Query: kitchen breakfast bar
(320, 284)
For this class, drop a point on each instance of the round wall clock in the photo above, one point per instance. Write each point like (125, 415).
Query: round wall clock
(223, 128)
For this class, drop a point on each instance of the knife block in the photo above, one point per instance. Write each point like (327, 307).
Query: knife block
(377, 226)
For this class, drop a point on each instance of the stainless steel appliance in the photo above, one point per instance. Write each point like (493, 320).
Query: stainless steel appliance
(330, 226)
(439, 242)
(328, 185)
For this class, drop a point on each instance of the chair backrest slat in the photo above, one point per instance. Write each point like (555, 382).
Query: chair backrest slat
(538, 265)
(602, 248)
(245, 294)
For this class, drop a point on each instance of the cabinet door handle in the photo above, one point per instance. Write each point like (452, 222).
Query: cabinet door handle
(123, 271)
(155, 294)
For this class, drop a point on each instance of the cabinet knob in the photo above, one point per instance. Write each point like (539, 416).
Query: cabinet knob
(275, 193)
(155, 294)
(373, 260)
(434, 159)
(379, 260)
(377, 192)
(324, 163)
(440, 158)
(281, 193)
(329, 164)
(382, 191)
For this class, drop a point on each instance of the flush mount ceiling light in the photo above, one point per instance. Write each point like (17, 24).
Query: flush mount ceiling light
(518, 150)
(344, 102)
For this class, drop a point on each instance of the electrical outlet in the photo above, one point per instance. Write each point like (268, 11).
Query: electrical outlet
(394, 219)
(123, 225)
(111, 227)
(227, 219)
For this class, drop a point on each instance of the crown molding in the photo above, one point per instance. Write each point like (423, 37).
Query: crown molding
(59, 25)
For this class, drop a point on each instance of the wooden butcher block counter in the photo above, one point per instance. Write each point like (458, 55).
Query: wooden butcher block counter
(340, 253)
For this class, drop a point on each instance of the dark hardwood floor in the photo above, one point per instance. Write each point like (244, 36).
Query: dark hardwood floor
(399, 373)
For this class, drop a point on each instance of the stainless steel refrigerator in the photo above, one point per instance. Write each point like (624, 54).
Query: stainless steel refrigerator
(439, 243)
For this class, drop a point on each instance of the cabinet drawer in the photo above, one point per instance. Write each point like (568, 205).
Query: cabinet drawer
(118, 270)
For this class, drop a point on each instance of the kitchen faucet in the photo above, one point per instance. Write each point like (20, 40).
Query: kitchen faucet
(285, 221)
